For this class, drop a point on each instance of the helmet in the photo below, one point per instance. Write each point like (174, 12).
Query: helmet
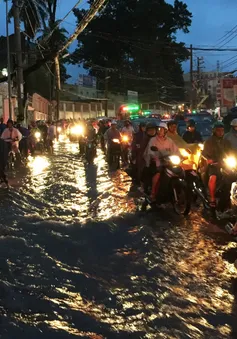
(163, 125)
(113, 122)
(151, 125)
(234, 123)
(218, 124)
(171, 122)
(191, 123)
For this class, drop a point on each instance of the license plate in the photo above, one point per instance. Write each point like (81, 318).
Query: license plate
(89, 146)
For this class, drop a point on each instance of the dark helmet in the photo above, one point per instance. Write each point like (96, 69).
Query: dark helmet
(218, 124)
(171, 122)
(151, 125)
(191, 123)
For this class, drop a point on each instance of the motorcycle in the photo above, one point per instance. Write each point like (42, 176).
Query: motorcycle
(36, 143)
(126, 148)
(172, 186)
(90, 151)
(197, 180)
(114, 154)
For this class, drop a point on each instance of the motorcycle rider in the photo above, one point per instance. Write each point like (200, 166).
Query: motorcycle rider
(192, 136)
(232, 135)
(110, 134)
(12, 136)
(24, 143)
(102, 129)
(51, 134)
(173, 134)
(128, 130)
(165, 147)
(215, 149)
(137, 152)
(90, 134)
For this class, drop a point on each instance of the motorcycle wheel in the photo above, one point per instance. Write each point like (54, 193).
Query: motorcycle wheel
(181, 200)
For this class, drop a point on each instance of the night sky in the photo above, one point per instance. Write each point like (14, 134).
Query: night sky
(212, 19)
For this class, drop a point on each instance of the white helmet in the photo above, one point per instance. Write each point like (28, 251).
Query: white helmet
(113, 122)
(234, 123)
(163, 125)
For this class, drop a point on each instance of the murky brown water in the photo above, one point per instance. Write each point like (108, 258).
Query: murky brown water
(78, 260)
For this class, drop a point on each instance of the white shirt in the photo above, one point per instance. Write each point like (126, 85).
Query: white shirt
(129, 131)
(11, 134)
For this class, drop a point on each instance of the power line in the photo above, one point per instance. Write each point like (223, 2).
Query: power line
(45, 39)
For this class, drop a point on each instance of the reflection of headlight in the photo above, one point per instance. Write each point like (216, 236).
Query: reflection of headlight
(116, 141)
(37, 135)
(230, 162)
(78, 130)
(201, 146)
(184, 153)
(125, 138)
(59, 129)
(175, 159)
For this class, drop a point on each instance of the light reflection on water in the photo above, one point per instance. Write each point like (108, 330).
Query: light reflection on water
(78, 261)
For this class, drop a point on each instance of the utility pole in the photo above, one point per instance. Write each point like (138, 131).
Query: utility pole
(106, 91)
(191, 74)
(200, 62)
(57, 85)
(8, 65)
(20, 80)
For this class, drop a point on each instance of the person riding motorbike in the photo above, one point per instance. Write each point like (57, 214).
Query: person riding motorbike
(102, 129)
(12, 136)
(215, 149)
(165, 147)
(192, 136)
(24, 143)
(173, 134)
(127, 130)
(51, 134)
(110, 134)
(137, 152)
(232, 135)
(32, 137)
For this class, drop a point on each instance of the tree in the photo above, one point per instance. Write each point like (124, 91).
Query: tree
(135, 42)
(32, 15)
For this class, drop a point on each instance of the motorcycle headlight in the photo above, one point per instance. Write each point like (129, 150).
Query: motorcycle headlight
(37, 135)
(125, 138)
(59, 129)
(175, 159)
(230, 162)
(116, 141)
(77, 130)
(201, 146)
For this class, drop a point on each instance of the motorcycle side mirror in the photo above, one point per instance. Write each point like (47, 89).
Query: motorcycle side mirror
(154, 149)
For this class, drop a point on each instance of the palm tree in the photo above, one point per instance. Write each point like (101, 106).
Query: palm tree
(33, 14)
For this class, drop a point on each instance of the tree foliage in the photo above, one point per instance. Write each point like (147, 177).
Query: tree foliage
(135, 41)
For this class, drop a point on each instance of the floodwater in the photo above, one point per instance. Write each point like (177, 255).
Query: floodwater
(78, 260)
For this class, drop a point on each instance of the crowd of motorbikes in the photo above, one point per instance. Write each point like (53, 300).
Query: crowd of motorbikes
(183, 178)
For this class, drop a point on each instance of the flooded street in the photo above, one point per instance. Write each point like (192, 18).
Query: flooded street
(77, 259)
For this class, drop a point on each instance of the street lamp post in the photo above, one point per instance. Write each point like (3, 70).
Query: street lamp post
(8, 65)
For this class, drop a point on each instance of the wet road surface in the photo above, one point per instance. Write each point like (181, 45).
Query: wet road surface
(78, 260)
